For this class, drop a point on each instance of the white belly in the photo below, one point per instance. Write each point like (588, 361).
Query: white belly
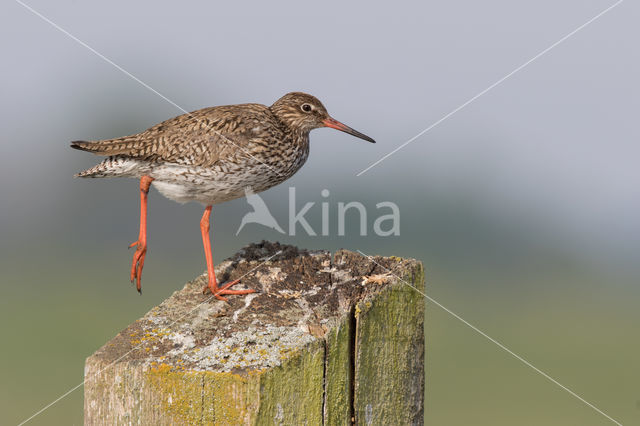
(208, 185)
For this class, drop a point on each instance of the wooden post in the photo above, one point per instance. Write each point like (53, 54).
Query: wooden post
(330, 340)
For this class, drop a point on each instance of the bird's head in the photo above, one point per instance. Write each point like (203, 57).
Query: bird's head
(303, 112)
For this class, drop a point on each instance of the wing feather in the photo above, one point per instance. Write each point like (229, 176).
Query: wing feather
(199, 138)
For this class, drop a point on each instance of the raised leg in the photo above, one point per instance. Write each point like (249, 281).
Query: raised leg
(141, 245)
(218, 292)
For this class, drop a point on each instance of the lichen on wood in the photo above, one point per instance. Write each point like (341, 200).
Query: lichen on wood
(302, 350)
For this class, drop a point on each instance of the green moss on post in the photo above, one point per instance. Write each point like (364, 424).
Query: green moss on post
(229, 398)
(291, 394)
(339, 374)
(389, 360)
(178, 389)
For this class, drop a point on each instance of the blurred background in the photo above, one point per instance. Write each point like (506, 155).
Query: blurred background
(523, 206)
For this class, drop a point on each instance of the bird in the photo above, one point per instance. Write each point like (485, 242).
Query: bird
(211, 156)
(260, 213)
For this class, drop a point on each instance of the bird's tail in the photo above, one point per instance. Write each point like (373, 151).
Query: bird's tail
(117, 146)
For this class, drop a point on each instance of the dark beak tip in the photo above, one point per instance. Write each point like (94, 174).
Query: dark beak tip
(365, 137)
(335, 124)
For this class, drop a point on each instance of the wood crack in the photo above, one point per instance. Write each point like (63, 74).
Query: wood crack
(352, 363)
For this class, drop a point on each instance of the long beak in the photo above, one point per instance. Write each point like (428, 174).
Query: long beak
(335, 124)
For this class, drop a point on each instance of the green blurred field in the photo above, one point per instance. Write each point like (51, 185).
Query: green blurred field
(566, 321)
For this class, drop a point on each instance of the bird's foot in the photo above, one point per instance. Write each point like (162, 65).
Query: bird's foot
(138, 262)
(218, 292)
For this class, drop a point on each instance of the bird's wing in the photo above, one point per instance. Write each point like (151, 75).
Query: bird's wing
(200, 138)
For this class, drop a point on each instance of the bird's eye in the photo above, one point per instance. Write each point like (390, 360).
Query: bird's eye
(306, 107)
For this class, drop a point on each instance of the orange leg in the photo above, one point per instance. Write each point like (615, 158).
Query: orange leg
(218, 292)
(141, 244)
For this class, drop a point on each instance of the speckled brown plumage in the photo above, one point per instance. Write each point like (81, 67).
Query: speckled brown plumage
(214, 154)
(200, 138)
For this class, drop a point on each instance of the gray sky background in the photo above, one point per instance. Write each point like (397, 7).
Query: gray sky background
(553, 148)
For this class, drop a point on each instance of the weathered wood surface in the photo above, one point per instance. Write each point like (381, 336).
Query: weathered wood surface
(329, 340)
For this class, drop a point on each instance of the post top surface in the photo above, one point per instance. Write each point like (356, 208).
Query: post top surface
(301, 295)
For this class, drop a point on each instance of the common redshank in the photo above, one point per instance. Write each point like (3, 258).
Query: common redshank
(212, 155)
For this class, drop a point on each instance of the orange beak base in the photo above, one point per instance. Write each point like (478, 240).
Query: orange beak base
(335, 124)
